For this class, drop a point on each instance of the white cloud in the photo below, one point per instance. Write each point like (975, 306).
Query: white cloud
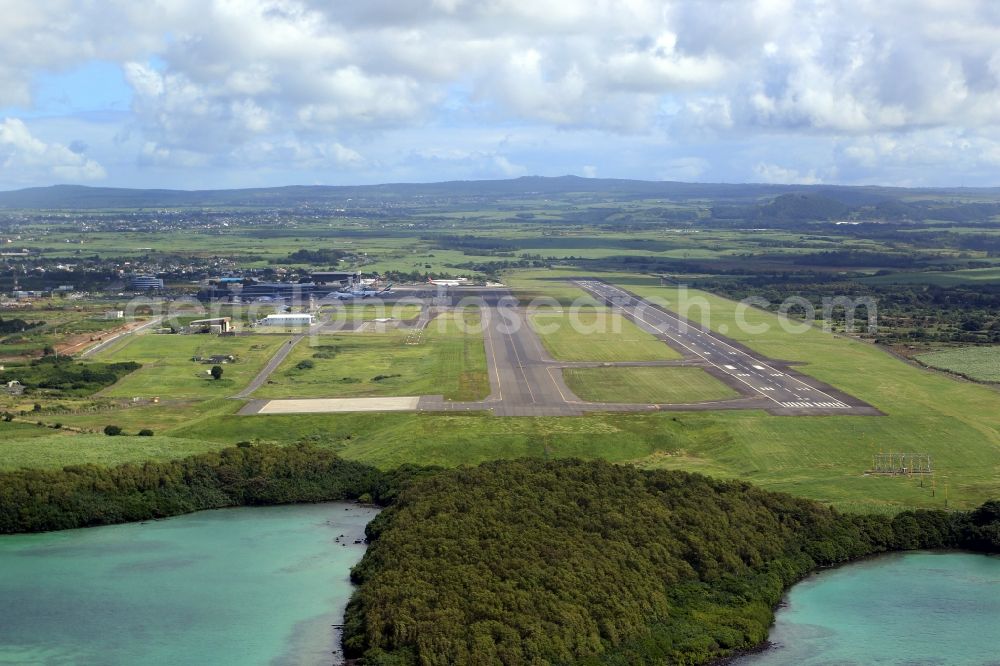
(56, 35)
(773, 173)
(232, 83)
(26, 159)
(684, 168)
(508, 168)
(958, 149)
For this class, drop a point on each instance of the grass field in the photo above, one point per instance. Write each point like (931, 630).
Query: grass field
(596, 334)
(390, 439)
(446, 359)
(824, 457)
(981, 364)
(675, 385)
(545, 288)
(169, 372)
(57, 449)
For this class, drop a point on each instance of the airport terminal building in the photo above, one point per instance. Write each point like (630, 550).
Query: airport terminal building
(248, 289)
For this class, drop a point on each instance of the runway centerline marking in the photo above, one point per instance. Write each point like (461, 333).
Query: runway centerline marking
(493, 353)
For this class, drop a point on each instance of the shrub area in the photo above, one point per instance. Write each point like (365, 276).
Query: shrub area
(17, 325)
(587, 562)
(980, 364)
(62, 376)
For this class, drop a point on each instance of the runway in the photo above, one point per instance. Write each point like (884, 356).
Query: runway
(525, 381)
(787, 391)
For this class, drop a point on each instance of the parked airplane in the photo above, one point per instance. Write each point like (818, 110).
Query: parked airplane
(448, 283)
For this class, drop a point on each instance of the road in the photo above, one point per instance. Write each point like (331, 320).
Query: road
(103, 344)
(272, 365)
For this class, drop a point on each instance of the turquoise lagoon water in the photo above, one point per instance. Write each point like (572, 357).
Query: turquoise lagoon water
(234, 586)
(913, 608)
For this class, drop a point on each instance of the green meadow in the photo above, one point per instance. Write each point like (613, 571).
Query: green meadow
(168, 370)
(58, 449)
(970, 276)
(596, 334)
(674, 385)
(447, 358)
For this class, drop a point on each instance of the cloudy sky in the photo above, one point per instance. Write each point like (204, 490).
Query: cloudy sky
(237, 93)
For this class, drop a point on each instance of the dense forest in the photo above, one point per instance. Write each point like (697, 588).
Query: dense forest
(587, 562)
(35, 500)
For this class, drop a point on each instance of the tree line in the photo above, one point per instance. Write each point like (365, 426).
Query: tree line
(17, 325)
(35, 500)
(62, 376)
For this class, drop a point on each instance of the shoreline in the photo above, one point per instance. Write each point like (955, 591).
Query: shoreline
(767, 644)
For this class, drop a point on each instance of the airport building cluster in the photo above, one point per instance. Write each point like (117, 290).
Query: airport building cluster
(288, 320)
(240, 289)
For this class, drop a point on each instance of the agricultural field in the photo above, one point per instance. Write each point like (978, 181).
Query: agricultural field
(447, 358)
(676, 385)
(981, 364)
(596, 334)
(168, 370)
(971, 276)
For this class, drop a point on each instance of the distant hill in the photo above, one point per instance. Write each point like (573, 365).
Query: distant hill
(68, 197)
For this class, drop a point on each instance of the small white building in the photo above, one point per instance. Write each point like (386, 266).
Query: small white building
(288, 320)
